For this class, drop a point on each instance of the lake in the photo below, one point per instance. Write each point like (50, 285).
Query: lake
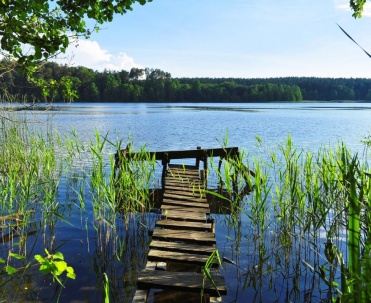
(93, 248)
(187, 125)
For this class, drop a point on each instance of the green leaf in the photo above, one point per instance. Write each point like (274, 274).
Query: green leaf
(61, 267)
(16, 256)
(39, 258)
(2, 260)
(58, 256)
(70, 272)
(10, 270)
(46, 269)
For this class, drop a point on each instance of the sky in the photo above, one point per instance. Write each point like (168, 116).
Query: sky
(232, 38)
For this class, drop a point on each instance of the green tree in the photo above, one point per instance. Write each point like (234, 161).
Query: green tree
(357, 7)
(47, 28)
(136, 73)
(31, 32)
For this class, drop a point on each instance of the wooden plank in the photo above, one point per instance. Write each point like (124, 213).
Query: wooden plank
(178, 182)
(171, 296)
(196, 190)
(191, 204)
(183, 178)
(181, 281)
(183, 167)
(183, 154)
(184, 235)
(184, 198)
(184, 172)
(181, 183)
(202, 210)
(169, 256)
(171, 224)
(178, 176)
(186, 193)
(150, 265)
(188, 178)
(183, 247)
(184, 216)
(140, 296)
(215, 300)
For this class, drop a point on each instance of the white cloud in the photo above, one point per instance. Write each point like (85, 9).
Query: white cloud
(89, 53)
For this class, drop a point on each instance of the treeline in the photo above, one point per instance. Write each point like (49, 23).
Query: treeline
(154, 85)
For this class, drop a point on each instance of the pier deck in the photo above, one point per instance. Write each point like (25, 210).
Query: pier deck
(184, 238)
(182, 242)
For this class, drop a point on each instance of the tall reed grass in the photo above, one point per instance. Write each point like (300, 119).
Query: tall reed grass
(33, 167)
(306, 212)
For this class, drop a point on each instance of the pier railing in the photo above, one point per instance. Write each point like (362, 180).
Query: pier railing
(199, 154)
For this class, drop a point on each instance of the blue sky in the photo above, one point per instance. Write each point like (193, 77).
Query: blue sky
(233, 38)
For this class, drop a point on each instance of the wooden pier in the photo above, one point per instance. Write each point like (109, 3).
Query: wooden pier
(184, 238)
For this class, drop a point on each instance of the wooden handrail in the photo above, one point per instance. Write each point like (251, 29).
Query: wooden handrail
(183, 154)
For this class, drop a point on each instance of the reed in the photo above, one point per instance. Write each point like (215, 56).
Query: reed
(302, 208)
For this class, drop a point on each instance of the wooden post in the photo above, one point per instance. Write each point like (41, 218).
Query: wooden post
(205, 168)
(165, 161)
(198, 159)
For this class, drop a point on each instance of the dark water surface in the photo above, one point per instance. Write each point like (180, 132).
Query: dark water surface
(93, 248)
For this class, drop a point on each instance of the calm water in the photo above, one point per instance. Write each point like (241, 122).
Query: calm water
(183, 126)
(93, 249)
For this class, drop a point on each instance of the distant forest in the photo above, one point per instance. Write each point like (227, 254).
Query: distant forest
(154, 85)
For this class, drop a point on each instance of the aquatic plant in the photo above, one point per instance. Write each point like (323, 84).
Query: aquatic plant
(303, 209)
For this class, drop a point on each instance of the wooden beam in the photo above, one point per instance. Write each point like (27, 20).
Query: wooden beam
(172, 224)
(140, 296)
(183, 247)
(182, 154)
(185, 236)
(184, 216)
(171, 256)
(181, 281)
(181, 203)
(187, 208)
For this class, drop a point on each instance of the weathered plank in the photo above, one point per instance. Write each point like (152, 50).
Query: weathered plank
(178, 176)
(184, 235)
(181, 281)
(184, 172)
(172, 224)
(183, 247)
(185, 193)
(191, 258)
(183, 181)
(181, 184)
(182, 154)
(189, 204)
(151, 265)
(195, 190)
(184, 198)
(140, 296)
(202, 210)
(167, 296)
(184, 216)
